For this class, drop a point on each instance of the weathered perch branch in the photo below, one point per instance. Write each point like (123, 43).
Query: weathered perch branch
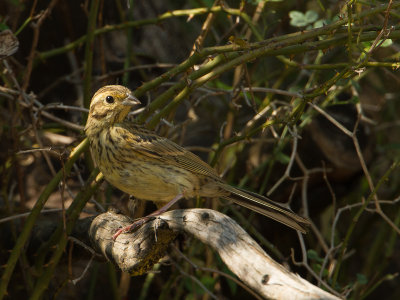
(136, 252)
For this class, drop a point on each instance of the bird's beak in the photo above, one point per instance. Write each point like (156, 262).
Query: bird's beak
(130, 100)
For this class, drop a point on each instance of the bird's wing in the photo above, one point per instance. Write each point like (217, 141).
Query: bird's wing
(145, 142)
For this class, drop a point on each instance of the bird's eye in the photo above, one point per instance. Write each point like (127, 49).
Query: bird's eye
(110, 99)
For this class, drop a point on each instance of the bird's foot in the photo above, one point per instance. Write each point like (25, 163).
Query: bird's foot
(132, 226)
(145, 219)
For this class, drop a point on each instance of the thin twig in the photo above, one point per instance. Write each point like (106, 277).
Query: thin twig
(23, 215)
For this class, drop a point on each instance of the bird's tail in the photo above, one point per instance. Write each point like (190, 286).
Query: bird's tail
(266, 207)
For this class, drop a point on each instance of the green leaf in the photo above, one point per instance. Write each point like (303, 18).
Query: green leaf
(320, 23)
(208, 281)
(3, 26)
(313, 255)
(362, 279)
(298, 19)
(221, 85)
(387, 43)
(209, 3)
(311, 16)
(282, 158)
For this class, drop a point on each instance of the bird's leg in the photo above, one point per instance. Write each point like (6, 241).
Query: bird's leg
(143, 220)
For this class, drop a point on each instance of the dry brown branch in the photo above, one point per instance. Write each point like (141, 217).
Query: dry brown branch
(36, 33)
(198, 43)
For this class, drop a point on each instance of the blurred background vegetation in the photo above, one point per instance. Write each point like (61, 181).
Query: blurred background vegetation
(296, 100)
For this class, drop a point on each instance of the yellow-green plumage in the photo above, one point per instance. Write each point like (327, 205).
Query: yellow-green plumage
(150, 167)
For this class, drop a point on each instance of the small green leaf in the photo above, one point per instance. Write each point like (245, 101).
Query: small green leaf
(221, 85)
(320, 23)
(313, 255)
(297, 18)
(209, 3)
(282, 158)
(362, 279)
(3, 26)
(208, 282)
(366, 44)
(387, 43)
(311, 16)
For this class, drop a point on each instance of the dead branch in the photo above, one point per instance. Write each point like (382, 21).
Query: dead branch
(135, 252)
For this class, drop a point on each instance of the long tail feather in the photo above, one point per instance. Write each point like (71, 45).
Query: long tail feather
(266, 207)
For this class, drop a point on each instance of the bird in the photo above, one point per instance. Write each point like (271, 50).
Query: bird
(150, 167)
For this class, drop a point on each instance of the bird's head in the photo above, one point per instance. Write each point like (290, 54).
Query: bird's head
(109, 105)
